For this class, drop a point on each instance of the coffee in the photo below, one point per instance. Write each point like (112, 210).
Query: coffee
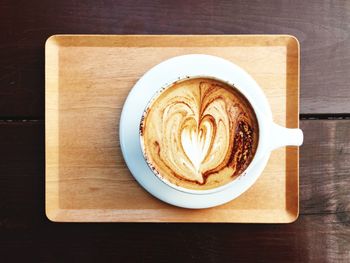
(199, 133)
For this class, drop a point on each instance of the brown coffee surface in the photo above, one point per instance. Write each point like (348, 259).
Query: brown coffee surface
(199, 133)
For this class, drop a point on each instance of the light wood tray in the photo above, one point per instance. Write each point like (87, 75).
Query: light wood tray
(87, 81)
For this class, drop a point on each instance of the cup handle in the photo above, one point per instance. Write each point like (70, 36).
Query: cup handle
(281, 136)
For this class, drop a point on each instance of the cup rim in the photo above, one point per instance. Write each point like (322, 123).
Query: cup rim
(158, 175)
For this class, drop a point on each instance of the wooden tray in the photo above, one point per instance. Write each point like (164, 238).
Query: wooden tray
(87, 81)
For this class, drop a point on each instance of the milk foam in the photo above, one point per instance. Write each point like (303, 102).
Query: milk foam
(196, 144)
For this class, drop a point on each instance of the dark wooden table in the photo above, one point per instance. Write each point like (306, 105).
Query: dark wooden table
(322, 232)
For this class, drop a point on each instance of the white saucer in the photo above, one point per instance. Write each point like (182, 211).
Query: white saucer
(160, 76)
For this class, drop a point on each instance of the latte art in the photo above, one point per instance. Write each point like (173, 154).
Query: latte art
(199, 133)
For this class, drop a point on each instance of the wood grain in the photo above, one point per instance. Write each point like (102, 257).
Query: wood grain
(321, 234)
(22, 167)
(325, 166)
(321, 28)
(313, 238)
(85, 85)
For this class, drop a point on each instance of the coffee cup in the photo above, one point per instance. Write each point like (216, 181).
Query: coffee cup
(220, 73)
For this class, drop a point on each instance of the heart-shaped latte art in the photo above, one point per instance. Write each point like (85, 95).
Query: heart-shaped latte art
(198, 130)
(196, 140)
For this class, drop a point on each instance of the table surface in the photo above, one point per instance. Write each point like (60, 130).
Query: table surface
(322, 232)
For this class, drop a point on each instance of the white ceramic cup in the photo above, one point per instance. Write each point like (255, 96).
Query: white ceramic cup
(271, 135)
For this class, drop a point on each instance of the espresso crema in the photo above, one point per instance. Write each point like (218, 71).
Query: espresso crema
(199, 133)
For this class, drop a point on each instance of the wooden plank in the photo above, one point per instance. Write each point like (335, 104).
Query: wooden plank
(22, 167)
(313, 238)
(319, 235)
(325, 167)
(324, 162)
(22, 148)
(321, 28)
